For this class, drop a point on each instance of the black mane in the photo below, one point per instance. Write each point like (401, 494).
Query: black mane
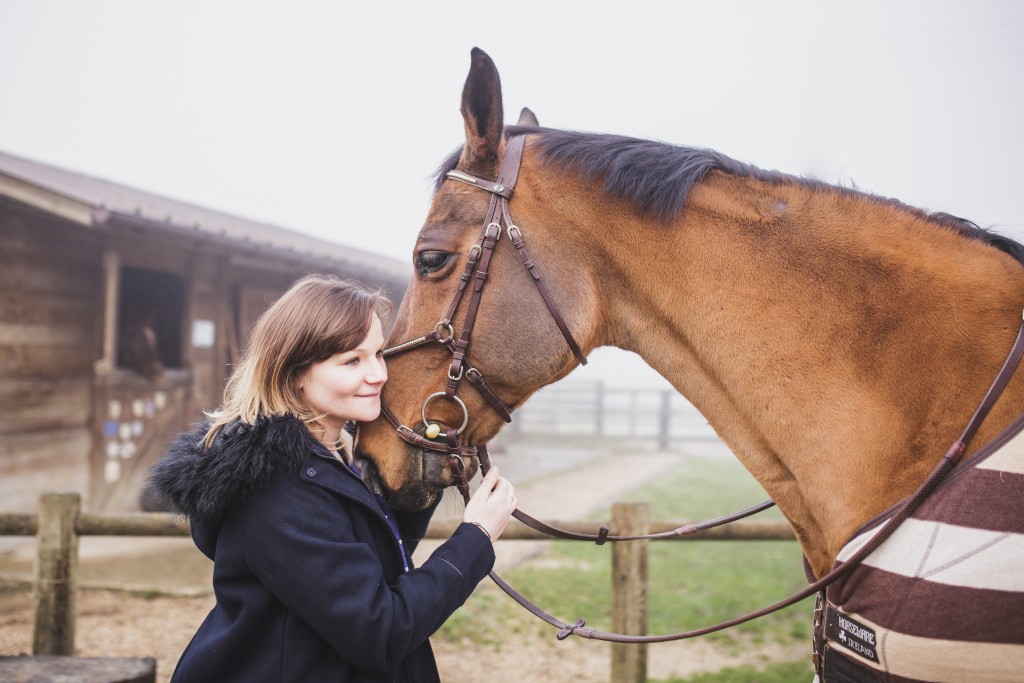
(656, 177)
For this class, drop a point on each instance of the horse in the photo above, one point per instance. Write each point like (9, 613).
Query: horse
(138, 345)
(837, 341)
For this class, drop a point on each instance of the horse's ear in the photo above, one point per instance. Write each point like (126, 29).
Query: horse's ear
(483, 116)
(528, 118)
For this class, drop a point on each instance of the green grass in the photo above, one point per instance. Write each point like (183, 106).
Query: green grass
(775, 673)
(701, 488)
(692, 583)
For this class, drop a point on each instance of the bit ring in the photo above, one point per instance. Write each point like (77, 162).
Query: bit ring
(465, 413)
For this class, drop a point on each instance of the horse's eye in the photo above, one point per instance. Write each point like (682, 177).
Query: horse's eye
(430, 261)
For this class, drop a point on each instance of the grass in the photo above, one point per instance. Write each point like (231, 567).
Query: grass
(692, 584)
(774, 673)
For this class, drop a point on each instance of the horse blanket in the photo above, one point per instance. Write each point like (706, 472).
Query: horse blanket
(942, 599)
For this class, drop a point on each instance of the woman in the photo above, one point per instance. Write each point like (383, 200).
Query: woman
(312, 573)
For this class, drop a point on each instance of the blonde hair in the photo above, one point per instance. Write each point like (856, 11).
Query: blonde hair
(319, 316)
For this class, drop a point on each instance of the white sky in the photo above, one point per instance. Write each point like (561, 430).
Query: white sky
(328, 118)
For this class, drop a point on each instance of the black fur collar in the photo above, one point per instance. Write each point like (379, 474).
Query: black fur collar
(202, 483)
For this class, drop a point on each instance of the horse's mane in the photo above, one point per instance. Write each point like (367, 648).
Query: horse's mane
(656, 177)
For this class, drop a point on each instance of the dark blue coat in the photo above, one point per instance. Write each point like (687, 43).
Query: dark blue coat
(308, 573)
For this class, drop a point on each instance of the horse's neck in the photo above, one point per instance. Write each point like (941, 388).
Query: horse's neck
(838, 345)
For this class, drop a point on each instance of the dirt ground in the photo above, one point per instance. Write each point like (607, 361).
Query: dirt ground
(145, 597)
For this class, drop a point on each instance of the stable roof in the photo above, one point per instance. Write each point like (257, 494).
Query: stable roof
(97, 203)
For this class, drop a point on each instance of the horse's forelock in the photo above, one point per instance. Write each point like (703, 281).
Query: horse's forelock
(449, 164)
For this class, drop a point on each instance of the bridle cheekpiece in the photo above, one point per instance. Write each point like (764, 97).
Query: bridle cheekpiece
(475, 272)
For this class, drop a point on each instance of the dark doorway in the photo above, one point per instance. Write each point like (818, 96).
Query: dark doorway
(152, 307)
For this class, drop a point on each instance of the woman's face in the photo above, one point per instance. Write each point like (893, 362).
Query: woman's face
(347, 385)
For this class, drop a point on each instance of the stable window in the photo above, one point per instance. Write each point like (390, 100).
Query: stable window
(151, 308)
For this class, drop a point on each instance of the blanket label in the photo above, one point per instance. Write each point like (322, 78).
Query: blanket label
(849, 633)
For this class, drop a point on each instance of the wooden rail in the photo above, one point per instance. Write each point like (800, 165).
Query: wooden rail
(584, 409)
(60, 522)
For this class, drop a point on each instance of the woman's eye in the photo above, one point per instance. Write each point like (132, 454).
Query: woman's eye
(431, 261)
(352, 361)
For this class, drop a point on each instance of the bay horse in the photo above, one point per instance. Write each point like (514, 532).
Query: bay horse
(836, 341)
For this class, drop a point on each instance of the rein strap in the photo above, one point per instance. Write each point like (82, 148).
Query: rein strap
(945, 465)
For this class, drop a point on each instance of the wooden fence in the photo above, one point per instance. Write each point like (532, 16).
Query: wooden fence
(584, 409)
(60, 522)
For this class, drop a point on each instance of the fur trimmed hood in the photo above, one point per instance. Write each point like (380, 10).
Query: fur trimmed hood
(202, 483)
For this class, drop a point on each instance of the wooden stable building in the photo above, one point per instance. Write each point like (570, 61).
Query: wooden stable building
(121, 314)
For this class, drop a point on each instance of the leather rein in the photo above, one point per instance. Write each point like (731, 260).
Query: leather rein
(443, 333)
(945, 465)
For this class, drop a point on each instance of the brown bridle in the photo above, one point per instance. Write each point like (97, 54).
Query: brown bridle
(476, 271)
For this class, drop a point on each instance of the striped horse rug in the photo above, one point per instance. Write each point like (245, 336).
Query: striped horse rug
(942, 599)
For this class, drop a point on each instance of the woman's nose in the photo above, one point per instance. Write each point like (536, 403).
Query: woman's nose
(378, 373)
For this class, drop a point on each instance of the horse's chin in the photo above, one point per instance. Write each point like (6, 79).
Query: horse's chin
(371, 476)
(414, 499)
(426, 480)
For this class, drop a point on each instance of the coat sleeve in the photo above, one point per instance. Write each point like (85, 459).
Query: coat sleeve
(301, 544)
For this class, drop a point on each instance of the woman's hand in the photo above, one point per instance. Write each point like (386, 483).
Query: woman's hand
(491, 505)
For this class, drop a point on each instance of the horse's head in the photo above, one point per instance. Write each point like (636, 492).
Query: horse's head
(504, 342)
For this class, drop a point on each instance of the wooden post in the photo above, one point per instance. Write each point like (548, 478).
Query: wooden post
(632, 414)
(664, 421)
(56, 574)
(515, 430)
(111, 293)
(629, 591)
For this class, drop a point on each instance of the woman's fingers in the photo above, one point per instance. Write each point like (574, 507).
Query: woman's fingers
(501, 488)
(492, 504)
(490, 479)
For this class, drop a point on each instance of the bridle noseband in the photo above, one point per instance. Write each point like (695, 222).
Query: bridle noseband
(475, 272)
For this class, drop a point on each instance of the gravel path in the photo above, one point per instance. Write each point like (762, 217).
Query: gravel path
(170, 583)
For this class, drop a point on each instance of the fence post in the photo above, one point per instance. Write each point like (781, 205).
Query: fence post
(515, 429)
(629, 591)
(56, 574)
(665, 420)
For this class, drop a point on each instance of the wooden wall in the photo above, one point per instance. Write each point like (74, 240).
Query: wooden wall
(49, 291)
